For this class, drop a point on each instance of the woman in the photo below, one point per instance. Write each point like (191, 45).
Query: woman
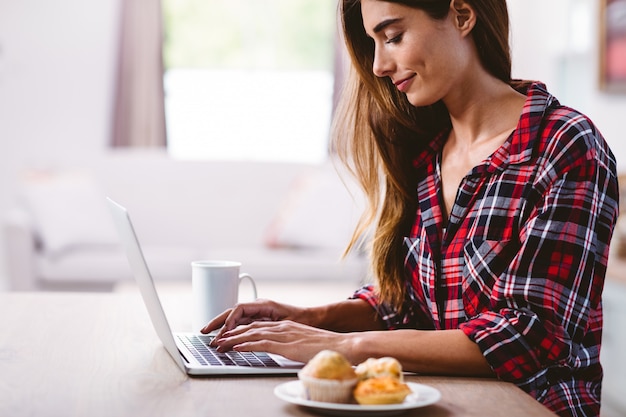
(494, 207)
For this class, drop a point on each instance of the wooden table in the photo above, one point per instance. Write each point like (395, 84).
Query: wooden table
(97, 355)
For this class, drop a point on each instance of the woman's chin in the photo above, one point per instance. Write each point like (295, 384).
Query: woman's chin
(419, 100)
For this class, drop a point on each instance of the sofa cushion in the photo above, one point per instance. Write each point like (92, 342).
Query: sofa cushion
(319, 212)
(68, 211)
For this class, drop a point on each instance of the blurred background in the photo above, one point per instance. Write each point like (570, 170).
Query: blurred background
(135, 93)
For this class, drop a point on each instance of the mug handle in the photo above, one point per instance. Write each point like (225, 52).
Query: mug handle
(249, 278)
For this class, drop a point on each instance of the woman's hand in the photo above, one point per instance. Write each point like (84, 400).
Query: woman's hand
(295, 341)
(259, 310)
(295, 332)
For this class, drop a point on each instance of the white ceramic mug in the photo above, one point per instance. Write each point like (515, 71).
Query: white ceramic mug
(215, 288)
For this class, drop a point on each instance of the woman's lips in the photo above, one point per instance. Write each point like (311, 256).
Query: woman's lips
(403, 85)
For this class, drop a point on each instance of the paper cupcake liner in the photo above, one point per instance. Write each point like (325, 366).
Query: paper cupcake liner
(327, 390)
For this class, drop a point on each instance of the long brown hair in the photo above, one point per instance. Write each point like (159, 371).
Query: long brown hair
(377, 132)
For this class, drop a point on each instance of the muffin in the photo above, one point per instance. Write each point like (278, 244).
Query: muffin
(328, 377)
(381, 390)
(380, 367)
(380, 382)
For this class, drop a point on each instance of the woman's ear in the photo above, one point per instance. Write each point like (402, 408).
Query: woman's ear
(464, 15)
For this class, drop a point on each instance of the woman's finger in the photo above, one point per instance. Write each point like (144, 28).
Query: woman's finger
(242, 314)
(216, 323)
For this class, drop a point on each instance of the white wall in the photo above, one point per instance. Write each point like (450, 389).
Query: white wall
(57, 65)
(57, 61)
(56, 77)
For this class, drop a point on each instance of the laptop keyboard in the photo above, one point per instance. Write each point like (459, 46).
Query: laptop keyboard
(207, 355)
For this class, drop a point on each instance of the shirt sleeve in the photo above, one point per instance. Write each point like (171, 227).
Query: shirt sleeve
(405, 318)
(391, 317)
(545, 301)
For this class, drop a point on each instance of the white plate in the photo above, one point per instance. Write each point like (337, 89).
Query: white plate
(422, 396)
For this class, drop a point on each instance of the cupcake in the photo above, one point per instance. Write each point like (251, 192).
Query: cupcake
(381, 390)
(328, 377)
(379, 367)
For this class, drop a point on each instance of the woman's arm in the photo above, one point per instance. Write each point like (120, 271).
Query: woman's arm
(424, 351)
(353, 315)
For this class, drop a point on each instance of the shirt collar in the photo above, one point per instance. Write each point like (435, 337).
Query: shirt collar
(538, 101)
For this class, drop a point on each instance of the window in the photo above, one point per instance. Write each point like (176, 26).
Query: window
(249, 79)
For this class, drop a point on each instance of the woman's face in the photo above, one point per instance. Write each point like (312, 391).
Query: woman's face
(425, 58)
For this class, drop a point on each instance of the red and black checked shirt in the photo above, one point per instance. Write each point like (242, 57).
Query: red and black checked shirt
(520, 266)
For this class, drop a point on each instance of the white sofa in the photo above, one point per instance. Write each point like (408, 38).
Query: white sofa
(282, 221)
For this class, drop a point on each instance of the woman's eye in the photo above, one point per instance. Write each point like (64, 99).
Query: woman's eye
(394, 39)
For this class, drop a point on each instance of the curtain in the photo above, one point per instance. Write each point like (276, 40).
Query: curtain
(139, 113)
(341, 65)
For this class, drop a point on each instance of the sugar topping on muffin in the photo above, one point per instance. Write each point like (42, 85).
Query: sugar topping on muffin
(379, 367)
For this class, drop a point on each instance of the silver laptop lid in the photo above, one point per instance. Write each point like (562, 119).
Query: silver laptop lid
(144, 279)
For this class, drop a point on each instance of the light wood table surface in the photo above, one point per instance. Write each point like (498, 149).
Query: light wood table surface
(70, 355)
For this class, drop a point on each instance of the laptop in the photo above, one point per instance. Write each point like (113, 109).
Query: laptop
(190, 351)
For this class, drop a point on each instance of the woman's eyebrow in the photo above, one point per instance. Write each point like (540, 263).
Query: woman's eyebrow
(382, 25)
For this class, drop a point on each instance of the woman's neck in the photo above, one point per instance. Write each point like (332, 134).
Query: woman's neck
(486, 109)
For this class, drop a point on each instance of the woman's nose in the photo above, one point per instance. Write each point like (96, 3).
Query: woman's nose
(382, 64)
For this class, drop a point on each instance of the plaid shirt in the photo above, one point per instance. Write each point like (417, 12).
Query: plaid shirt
(520, 266)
